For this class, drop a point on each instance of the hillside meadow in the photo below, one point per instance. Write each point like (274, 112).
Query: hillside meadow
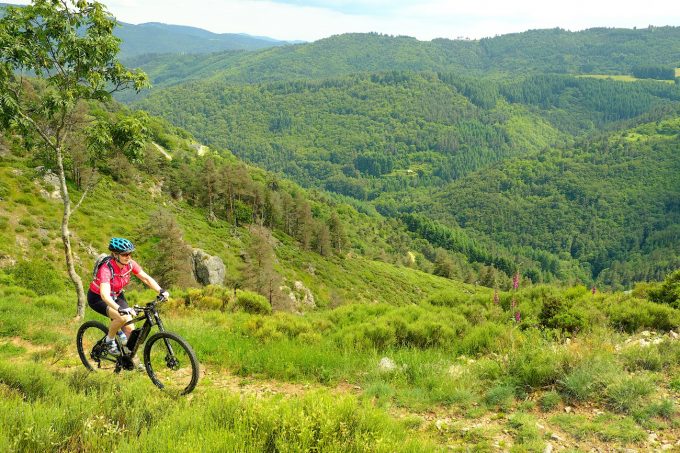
(402, 361)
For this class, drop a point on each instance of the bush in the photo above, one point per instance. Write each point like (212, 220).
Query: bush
(631, 315)
(367, 336)
(550, 401)
(558, 314)
(627, 392)
(447, 299)
(208, 298)
(637, 358)
(251, 302)
(669, 292)
(500, 396)
(485, 338)
(536, 365)
(38, 276)
(590, 378)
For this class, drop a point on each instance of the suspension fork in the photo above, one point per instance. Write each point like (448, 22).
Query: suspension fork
(159, 323)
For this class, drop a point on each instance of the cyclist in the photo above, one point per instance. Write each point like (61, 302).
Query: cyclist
(106, 295)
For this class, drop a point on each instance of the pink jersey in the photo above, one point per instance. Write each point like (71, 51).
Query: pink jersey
(119, 279)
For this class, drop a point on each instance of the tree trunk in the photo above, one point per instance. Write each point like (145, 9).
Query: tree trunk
(66, 239)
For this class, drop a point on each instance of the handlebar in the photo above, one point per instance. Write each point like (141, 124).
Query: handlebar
(151, 305)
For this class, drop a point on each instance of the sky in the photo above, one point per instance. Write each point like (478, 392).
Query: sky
(310, 20)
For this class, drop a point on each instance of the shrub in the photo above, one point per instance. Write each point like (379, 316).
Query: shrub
(536, 365)
(631, 315)
(590, 378)
(550, 400)
(669, 292)
(39, 276)
(485, 338)
(447, 299)
(627, 392)
(642, 358)
(558, 314)
(500, 396)
(366, 336)
(251, 302)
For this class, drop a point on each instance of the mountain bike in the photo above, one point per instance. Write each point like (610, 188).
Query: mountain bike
(168, 359)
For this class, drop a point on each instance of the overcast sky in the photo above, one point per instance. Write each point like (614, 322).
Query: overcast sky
(310, 20)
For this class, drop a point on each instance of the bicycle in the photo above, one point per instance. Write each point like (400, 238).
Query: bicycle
(168, 358)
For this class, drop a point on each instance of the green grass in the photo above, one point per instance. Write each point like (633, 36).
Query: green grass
(604, 427)
(622, 77)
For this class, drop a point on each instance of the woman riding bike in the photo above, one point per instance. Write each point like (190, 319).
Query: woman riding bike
(106, 296)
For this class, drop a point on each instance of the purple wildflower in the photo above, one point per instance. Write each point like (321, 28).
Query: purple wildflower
(496, 297)
(593, 289)
(515, 280)
(518, 316)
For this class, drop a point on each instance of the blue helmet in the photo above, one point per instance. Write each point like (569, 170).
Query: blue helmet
(121, 245)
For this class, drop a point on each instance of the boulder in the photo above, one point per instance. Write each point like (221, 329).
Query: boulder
(301, 297)
(50, 189)
(208, 270)
(387, 365)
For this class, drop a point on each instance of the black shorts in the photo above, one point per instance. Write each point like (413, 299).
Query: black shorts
(96, 302)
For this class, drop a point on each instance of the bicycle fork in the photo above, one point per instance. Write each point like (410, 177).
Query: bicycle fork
(170, 359)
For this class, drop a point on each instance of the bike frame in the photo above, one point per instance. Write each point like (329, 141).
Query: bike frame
(150, 317)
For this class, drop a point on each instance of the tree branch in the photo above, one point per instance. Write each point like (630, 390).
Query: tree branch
(90, 184)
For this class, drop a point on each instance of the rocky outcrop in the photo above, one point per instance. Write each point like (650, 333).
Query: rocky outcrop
(208, 270)
(49, 189)
(301, 297)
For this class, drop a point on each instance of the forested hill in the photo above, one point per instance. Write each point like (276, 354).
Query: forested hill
(157, 38)
(364, 135)
(612, 202)
(393, 140)
(593, 51)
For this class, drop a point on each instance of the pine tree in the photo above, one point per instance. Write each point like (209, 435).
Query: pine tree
(258, 272)
(171, 261)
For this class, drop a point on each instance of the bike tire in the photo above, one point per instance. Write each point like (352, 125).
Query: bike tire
(88, 342)
(177, 373)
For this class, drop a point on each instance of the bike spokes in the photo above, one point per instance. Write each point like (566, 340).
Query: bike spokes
(171, 363)
(91, 349)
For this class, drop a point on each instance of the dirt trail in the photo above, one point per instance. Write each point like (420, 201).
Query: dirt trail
(451, 426)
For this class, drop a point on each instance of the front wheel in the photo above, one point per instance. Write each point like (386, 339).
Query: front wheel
(171, 363)
(91, 348)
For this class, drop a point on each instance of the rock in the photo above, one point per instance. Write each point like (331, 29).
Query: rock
(657, 341)
(440, 424)
(666, 447)
(156, 189)
(674, 335)
(301, 297)
(52, 181)
(555, 437)
(567, 409)
(456, 371)
(645, 333)
(644, 343)
(7, 261)
(387, 365)
(208, 270)
(548, 448)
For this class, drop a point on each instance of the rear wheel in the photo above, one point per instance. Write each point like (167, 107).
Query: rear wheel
(171, 363)
(91, 348)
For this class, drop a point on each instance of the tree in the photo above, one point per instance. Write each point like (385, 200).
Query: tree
(69, 45)
(171, 261)
(258, 272)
